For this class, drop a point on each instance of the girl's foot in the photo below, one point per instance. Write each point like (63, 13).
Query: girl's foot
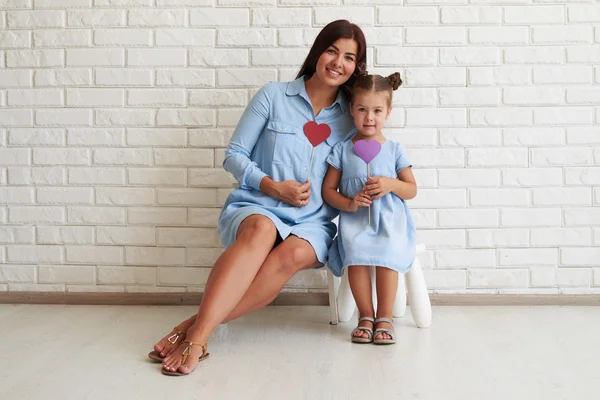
(169, 343)
(186, 357)
(384, 331)
(363, 333)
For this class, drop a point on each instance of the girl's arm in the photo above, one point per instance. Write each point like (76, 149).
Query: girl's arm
(335, 199)
(405, 187)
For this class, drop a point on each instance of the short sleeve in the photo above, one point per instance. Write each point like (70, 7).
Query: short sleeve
(401, 158)
(335, 157)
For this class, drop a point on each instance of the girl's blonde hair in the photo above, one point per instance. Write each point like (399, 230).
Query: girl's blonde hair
(377, 83)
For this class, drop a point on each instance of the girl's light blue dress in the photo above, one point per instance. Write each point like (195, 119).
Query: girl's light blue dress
(269, 141)
(390, 240)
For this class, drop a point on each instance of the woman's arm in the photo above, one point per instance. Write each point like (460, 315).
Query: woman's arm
(404, 187)
(335, 199)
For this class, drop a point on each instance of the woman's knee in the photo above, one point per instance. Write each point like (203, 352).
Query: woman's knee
(257, 227)
(290, 259)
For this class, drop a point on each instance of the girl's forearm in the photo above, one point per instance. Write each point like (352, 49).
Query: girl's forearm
(336, 200)
(404, 190)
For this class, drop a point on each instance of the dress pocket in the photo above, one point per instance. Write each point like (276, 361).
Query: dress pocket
(287, 143)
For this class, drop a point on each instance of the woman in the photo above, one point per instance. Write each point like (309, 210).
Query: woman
(276, 223)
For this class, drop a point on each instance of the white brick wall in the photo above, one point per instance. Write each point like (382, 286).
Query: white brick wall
(114, 116)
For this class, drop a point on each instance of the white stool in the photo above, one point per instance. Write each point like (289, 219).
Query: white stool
(342, 305)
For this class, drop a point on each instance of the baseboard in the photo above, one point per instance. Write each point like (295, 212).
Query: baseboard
(285, 299)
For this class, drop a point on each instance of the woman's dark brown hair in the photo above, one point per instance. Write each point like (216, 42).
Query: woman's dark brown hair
(377, 83)
(328, 35)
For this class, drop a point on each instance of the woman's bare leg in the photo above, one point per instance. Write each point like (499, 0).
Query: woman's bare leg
(218, 303)
(360, 284)
(387, 285)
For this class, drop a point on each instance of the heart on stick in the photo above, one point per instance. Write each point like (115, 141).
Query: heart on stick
(315, 133)
(367, 150)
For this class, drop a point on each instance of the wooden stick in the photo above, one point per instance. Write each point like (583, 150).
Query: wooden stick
(368, 174)
(310, 165)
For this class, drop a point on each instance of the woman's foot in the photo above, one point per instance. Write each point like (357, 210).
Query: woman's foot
(363, 333)
(169, 343)
(384, 331)
(186, 356)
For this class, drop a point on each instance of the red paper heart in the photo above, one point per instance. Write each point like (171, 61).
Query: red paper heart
(316, 133)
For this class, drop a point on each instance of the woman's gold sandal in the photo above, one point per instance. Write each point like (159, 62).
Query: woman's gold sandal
(186, 352)
(155, 355)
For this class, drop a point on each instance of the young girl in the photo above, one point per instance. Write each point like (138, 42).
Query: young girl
(388, 240)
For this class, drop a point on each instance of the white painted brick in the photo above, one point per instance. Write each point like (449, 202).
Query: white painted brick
(499, 35)
(74, 274)
(470, 15)
(95, 97)
(205, 257)
(306, 36)
(156, 137)
(414, 97)
(155, 289)
(35, 19)
(468, 177)
(158, 17)
(562, 35)
(439, 198)
(245, 78)
(183, 276)
(127, 275)
(378, 36)
(583, 54)
(469, 96)
(533, 217)
(35, 97)
(15, 78)
(562, 196)
(16, 195)
(271, 17)
(125, 236)
(154, 256)
(156, 97)
(207, 217)
(95, 18)
(578, 13)
(533, 96)
(219, 156)
(560, 156)
(424, 219)
(437, 157)
(445, 279)
(420, 137)
(253, 37)
(36, 287)
(15, 4)
(96, 215)
(185, 37)
(534, 15)
(534, 55)
(184, 157)
(157, 216)
(499, 76)
(552, 277)
(493, 238)
(62, 3)
(34, 254)
(188, 117)
(36, 176)
(447, 76)
(210, 137)
(126, 3)
(36, 215)
(465, 258)
(589, 95)
(582, 216)
(438, 117)
(15, 39)
(95, 254)
(185, 77)
(34, 136)
(406, 16)
(596, 196)
(17, 234)
(157, 176)
(123, 77)
(443, 238)
(209, 177)
(17, 273)
(58, 156)
(486, 157)
(16, 118)
(34, 58)
(556, 237)
(219, 17)
(499, 197)
(230, 118)
(470, 56)
(579, 256)
(130, 156)
(530, 177)
(582, 176)
(95, 136)
(441, 36)
(14, 156)
(125, 196)
(187, 197)
(468, 137)
(596, 273)
(218, 97)
(533, 136)
(63, 77)
(123, 37)
(187, 237)
(65, 195)
(500, 117)
(490, 278)
(277, 57)
(97, 176)
(288, 2)
(63, 117)
(528, 257)
(125, 117)
(65, 234)
(358, 15)
(62, 38)
(156, 57)
(562, 75)
(95, 57)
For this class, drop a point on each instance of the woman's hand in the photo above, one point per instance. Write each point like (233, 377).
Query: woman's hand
(378, 186)
(293, 193)
(360, 200)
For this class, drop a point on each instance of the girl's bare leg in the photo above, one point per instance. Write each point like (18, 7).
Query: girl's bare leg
(387, 285)
(360, 284)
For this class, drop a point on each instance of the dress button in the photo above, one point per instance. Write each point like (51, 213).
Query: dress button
(304, 168)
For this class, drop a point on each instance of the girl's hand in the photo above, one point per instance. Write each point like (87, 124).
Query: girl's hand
(378, 186)
(360, 200)
(293, 193)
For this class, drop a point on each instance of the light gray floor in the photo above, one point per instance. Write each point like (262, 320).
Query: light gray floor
(99, 352)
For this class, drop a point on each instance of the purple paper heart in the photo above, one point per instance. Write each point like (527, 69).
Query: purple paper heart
(367, 150)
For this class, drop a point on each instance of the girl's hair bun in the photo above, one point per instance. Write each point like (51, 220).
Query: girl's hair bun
(395, 80)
